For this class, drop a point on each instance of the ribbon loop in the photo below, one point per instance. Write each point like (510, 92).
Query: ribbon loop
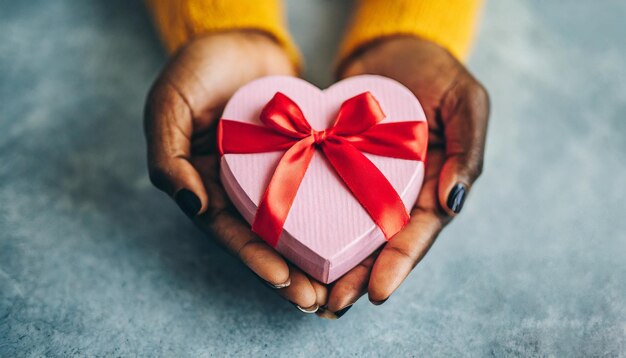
(358, 114)
(284, 116)
(355, 130)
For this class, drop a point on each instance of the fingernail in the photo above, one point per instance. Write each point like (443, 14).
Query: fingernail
(311, 309)
(280, 285)
(325, 313)
(342, 311)
(271, 285)
(456, 198)
(188, 202)
(378, 303)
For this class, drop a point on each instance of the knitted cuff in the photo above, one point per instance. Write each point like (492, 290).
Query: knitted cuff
(178, 21)
(450, 23)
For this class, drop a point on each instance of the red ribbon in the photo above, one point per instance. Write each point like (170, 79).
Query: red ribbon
(356, 130)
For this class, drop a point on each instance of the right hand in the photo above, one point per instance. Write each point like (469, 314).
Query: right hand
(181, 114)
(457, 109)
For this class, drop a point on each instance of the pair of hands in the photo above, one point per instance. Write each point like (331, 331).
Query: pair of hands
(186, 102)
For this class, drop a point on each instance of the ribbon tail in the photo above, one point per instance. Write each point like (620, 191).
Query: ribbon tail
(368, 185)
(280, 193)
(402, 140)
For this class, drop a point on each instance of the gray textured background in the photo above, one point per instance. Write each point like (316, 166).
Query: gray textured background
(94, 261)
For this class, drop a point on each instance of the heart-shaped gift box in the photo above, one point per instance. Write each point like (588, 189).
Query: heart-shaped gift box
(329, 205)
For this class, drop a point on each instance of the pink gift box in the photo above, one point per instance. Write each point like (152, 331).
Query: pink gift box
(327, 232)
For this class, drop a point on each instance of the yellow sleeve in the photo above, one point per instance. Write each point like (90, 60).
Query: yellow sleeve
(449, 23)
(180, 20)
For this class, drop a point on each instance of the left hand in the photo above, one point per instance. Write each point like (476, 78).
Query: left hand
(457, 110)
(182, 111)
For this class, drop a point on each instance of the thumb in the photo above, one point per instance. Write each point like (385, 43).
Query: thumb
(168, 128)
(465, 111)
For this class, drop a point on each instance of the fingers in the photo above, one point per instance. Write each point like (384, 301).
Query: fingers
(465, 112)
(290, 282)
(321, 292)
(303, 291)
(400, 255)
(234, 234)
(168, 128)
(348, 289)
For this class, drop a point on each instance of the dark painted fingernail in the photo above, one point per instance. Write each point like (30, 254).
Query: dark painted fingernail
(342, 311)
(188, 202)
(378, 303)
(456, 198)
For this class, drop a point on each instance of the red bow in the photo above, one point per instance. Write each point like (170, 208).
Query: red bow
(356, 129)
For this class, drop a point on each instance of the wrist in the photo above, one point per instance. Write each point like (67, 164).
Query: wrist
(260, 52)
(268, 52)
(392, 53)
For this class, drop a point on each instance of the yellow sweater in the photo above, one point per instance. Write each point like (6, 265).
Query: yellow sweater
(450, 23)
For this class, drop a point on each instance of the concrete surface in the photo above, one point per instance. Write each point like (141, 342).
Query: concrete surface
(95, 262)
